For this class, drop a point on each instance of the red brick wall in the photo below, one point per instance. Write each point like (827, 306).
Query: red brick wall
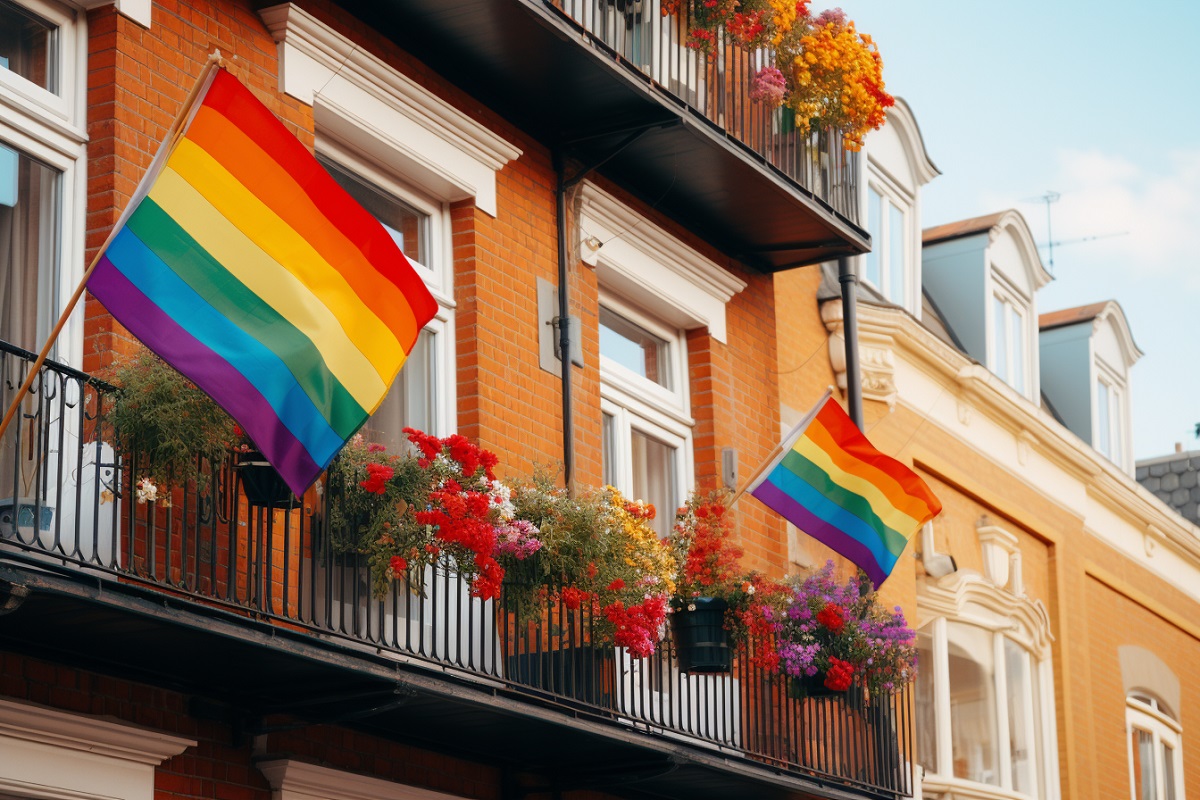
(139, 78)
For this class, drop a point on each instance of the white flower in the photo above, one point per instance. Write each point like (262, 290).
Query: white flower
(147, 492)
(750, 589)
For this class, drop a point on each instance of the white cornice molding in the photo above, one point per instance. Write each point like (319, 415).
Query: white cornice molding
(136, 10)
(877, 362)
(1034, 431)
(319, 65)
(647, 259)
(952, 596)
(296, 780)
(905, 122)
(88, 734)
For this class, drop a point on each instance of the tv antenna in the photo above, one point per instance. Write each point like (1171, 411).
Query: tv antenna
(1050, 198)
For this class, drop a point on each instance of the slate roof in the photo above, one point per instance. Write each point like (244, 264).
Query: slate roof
(1174, 479)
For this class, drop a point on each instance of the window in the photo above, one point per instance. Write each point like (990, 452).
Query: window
(1155, 762)
(984, 712)
(887, 265)
(1010, 341)
(1109, 431)
(29, 247)
(41, 180)
(646, 434)
(419, 396)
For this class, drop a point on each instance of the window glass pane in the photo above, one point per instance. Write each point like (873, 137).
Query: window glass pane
(28, 46)
(926, 714)
(999, 338)
(410, 402)
(874, 215)
(1143, 764)
(1114, 413)
(634, 348)
(1103, 420)
(1168, 772)
(897, 266)
(1024, 757)
(406, 225)
(1016, 330)
(608, 449)
(654, 478)
(29, 234)
(973, 704)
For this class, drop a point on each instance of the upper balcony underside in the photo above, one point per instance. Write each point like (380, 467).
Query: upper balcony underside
(608, 84)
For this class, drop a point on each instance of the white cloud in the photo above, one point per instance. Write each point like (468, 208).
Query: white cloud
(1145, 218)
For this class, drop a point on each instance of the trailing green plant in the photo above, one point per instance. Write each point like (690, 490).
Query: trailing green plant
(176, 433)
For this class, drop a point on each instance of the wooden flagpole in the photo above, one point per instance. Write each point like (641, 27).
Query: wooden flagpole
(771, 458)
(214, 60)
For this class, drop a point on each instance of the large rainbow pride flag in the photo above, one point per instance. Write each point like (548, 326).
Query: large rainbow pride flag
(831, 483)
(245, 266)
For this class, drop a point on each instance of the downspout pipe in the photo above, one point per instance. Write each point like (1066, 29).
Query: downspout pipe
(848, 278)
(564, 321)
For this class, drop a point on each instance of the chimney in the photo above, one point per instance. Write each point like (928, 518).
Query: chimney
(1179, 447)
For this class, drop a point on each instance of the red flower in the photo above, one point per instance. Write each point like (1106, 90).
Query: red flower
(839, 675)
(831, 617)
(399, 566)
(377, 477)
(617, 585)
(573, 597)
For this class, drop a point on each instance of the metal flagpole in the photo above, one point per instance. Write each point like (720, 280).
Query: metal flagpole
(848, 278)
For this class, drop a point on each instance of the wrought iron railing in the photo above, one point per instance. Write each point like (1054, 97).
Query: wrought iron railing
(67, 504)
(717, 87)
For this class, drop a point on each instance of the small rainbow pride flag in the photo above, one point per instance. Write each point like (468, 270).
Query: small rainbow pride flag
(246, 267)
(831, 483)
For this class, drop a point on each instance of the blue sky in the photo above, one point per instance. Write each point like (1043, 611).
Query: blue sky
(1099, 102)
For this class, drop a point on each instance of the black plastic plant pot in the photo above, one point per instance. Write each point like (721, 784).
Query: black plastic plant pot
(261, 484)
(811, 686)
(701, 641)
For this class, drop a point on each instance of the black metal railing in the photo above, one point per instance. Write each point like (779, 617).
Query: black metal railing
(717, 87)
(69, 504)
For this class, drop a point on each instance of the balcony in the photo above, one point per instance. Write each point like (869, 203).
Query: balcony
(609, 84)
(250, 609)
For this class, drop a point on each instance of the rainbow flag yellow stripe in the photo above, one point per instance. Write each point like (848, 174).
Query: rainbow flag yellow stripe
(831, 483)
(245, 266)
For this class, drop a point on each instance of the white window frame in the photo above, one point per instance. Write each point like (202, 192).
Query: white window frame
(637, 403)
(1013, 302)
(438, 272)
(971, 599)
(50, 127)
(1143, 713)
(1118, 444)
(891, 195)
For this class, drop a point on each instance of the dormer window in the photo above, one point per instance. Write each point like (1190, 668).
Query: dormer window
(887, 266)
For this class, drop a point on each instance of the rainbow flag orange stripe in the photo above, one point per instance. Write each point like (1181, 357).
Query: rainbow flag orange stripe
(245, 266)
(831, 483)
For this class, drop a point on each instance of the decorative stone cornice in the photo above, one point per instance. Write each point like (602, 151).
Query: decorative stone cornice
(877, 361)
(318, 63)
(642, 259)
(954, 596)
(296, 780)
(977, 392)
(87, 734)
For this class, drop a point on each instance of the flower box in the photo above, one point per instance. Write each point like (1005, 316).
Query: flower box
(701, 640)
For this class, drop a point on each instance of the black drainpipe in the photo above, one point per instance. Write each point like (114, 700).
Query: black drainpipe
(564, 185)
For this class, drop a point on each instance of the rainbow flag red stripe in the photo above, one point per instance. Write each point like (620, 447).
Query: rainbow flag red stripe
(245, 266)
(831, 483)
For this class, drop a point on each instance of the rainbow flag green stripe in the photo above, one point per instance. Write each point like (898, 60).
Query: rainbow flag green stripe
(830, 482)
(245, 266)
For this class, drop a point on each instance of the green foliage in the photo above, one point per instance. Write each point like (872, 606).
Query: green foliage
(176, 431)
